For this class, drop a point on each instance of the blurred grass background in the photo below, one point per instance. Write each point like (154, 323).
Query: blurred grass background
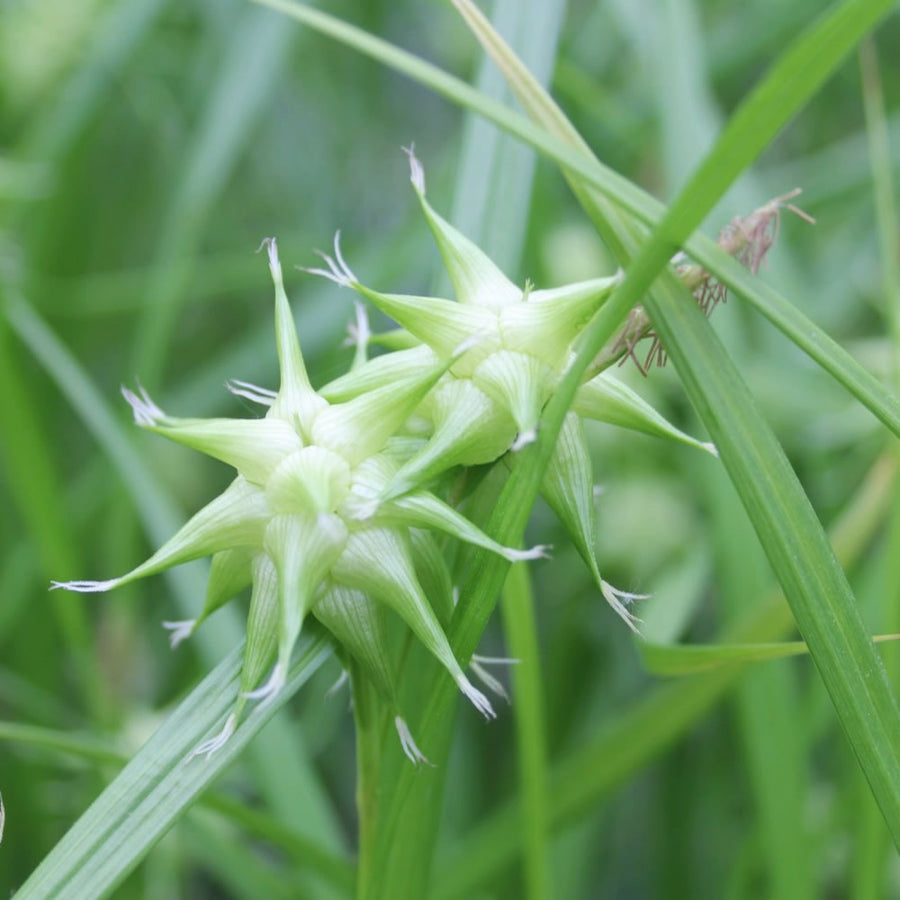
(145, 150)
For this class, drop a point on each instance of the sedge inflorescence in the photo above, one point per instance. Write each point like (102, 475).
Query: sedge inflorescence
(333, 512)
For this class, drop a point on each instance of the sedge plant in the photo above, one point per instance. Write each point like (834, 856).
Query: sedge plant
(374, 514)
(330, 513)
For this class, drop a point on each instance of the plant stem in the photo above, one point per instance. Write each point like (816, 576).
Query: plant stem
(366, 709)
(517, 603)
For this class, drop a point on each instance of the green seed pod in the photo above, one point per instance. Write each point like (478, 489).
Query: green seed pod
(377, 560)
(433, 573)
(253, 446)
(358, 623)
(229, 573)
(607, 399)
(568, 487)
(468, 428)
(379, 372)
(518, 341)
(235, 519)
(311, 521)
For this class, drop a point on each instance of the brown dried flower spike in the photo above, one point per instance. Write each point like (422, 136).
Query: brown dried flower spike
(748, 239)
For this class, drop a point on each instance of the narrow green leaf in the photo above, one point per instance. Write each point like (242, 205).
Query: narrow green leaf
(32, 473)
(588, 170)
(688, 659)
(307, 853)
(791, 535)
(159, 784)
(767, 708)
(607, 399)
(114, 42)
(517, 603)
(257, 824)
(84, 747)
(623, 747)
(160, 520)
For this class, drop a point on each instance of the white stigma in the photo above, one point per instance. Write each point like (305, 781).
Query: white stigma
(254, 393)
(207, 748)
(618, 599)
(271, 246)
(338, 271)
(477, 699)
(85, 587)
(342, 679)
(270, 690)
(540, 551)
(180, 631)
(358, 331)
(523, 439)
(488, 680)
(495, 660)
(416, 172)
(146, 412)
(413, 753)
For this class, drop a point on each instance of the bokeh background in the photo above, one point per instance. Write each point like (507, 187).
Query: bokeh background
(146, 148)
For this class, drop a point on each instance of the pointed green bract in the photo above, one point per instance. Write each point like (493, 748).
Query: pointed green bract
(237, 518)
(379, 372)
(312, 480)
(361, 427)
(296, 401)
(253, 446)
(262, 625)
(303, 548)
(469, 429)
(229, 573)
(547, 322)
(377, 560)
(424, 510)
(607, 399)
(358, 623)
(476, 279)
(442, 324)
(568, 487)
(519, 382)
(433, 573)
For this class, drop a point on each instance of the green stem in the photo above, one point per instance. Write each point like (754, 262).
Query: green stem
(369, 735)
(517, 604)
(605, 760)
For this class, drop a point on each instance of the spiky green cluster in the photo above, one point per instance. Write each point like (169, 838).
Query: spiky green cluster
(330, 514)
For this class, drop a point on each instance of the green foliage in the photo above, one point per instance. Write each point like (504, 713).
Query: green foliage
(146, 149)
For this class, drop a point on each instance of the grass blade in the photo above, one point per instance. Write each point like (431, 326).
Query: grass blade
(32, 473)
(159, 784)
(764, 299)
(250, 65)
(306, 853)
(605, 761)
(768, 712)
(791, 535)
(517, 604)
(688, 659)
(284, 769)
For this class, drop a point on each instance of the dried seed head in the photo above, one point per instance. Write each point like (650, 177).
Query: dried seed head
(748, 239)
